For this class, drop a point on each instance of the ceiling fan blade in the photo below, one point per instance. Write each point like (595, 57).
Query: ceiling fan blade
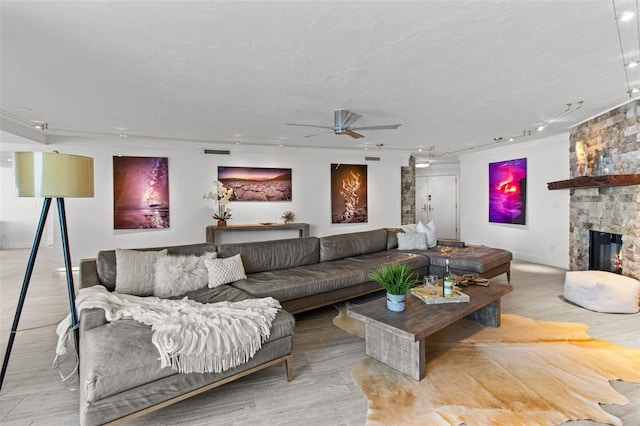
(388, 126)
(353, 134)
(309, 125)
(329, 130)
(344, 118)
(352, 117)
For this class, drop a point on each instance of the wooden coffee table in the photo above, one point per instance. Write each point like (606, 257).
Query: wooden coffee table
(398, 338)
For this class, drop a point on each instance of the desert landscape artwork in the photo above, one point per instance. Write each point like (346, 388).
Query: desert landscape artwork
(256, 183)
(140, 192)
(349, 193)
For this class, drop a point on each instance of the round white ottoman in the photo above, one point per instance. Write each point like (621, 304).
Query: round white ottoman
(602, 291)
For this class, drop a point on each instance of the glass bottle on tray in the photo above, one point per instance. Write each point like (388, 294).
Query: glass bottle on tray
(447, 281)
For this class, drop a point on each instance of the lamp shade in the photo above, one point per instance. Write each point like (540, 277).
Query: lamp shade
(53, 175)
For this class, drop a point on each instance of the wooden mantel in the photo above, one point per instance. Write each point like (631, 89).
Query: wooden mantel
(595, 182)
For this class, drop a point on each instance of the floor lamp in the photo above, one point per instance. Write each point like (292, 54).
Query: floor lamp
(50, 175)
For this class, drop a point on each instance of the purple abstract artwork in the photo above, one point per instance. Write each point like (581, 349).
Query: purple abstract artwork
(508, 191)
(140, 192)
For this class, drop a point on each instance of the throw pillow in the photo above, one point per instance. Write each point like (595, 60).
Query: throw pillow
(411, 241)
(225, 271)
(175, 275)
(430, 231)
(410, 228)
(134, 271)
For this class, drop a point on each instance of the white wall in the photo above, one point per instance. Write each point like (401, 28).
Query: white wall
(545, 237)
(191, 174)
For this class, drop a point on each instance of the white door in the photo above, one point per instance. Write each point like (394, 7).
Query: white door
(436, 199)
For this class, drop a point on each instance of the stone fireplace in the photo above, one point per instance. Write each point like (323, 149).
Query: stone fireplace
(612, 145)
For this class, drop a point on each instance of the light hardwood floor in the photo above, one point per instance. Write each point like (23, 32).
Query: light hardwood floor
(322, 392)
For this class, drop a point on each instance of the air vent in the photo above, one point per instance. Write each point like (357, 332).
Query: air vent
(371, 158)
(217, 151)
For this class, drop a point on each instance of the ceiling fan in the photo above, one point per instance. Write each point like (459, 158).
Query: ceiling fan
(343, 120)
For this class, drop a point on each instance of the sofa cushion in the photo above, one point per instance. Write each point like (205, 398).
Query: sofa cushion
(273, 255)
(120, 355)
(323, 277)
(106, 260)
(339, 246)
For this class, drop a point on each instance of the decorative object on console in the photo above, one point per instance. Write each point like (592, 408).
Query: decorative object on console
(396, 279)
(140, 192)
(50, 175)
(221, 198)
(507, 191)
(288, 217)
(257, 183)
(349, 193)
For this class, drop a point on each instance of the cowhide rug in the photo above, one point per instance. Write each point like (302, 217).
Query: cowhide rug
(526, 372)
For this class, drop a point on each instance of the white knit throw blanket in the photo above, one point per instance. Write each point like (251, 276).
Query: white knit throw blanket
(191, 337)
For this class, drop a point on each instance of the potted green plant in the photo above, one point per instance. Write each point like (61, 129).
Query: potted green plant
(397, 279)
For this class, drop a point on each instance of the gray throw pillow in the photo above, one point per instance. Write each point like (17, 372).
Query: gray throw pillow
(134, 271)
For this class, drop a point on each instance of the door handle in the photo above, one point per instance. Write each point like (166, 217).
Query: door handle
(424, 207)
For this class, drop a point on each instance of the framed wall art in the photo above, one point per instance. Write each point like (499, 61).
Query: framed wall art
(140, 192)
(508, 191)
(256, 183)
(349, 193)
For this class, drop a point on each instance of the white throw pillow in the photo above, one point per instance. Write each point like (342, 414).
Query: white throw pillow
(134, 271)
(225, 271)
(409, 229)
(411, 241)
(175, 275)
(430, 231)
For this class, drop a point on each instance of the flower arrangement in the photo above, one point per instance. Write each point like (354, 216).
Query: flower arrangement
(288, 216)
(221, 197)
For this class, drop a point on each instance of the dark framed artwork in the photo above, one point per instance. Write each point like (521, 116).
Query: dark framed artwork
(256, 183)
(140, 192)
(508, 191)
(349, 193)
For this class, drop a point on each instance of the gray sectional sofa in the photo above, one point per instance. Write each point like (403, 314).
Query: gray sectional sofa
(120, 375)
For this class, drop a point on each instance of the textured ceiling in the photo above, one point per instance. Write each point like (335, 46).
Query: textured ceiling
(456, 74)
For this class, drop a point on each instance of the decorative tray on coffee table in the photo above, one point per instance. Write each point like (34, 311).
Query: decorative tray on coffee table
(431, 299)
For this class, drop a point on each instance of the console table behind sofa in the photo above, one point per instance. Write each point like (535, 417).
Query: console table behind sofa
(302, 228)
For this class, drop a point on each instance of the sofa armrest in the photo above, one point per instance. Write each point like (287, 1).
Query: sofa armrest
(91, 318)
(88, 273)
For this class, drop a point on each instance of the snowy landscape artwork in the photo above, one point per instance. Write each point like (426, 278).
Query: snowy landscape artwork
(140, 192)
(256, 183)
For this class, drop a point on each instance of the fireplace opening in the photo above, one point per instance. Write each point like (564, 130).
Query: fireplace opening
(604, 252)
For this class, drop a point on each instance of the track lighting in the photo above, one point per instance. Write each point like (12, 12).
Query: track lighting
(630, 33)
